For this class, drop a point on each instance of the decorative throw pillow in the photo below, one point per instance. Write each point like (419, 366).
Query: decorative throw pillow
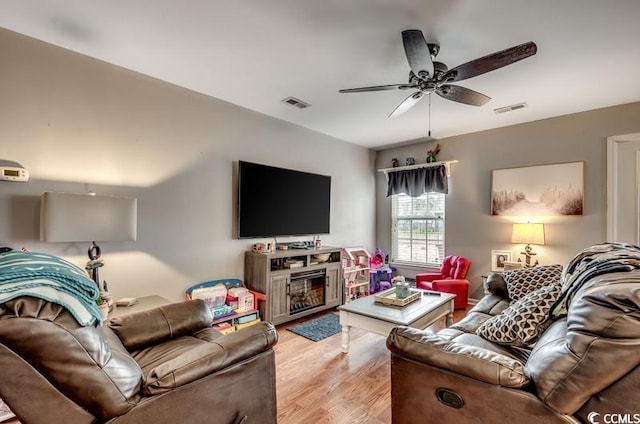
(523, 321)
(525, 280)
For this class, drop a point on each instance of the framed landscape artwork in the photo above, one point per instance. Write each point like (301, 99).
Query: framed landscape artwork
(541, 190)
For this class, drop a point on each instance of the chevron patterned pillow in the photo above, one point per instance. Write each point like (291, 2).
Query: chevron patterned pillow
(523, 321)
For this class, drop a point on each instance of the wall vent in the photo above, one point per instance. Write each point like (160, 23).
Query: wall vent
(296, 102)
(510, 108)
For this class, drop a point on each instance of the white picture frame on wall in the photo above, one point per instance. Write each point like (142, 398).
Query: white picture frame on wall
(498, 258)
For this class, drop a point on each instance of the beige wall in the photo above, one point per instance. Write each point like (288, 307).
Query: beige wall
(82, 125)
(470, 229)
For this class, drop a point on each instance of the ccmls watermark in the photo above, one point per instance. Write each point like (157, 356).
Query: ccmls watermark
(613, 418)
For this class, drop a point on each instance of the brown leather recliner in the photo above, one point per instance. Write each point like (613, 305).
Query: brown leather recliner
(166, 365)
(583, 366)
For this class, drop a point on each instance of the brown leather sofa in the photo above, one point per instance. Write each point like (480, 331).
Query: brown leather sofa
(582, 367)
(165, 365)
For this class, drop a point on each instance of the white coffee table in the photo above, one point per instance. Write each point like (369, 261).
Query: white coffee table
(377, 318)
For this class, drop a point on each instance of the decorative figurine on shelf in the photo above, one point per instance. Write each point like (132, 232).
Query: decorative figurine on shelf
(431, 154)
(410, 161)
(394, 162)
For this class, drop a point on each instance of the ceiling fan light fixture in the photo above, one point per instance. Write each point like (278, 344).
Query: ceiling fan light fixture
(428, 76)
(510, 108)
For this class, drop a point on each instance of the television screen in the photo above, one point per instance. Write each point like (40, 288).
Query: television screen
(281, 202)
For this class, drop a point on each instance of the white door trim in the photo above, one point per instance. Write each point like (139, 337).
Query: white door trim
(613, 144)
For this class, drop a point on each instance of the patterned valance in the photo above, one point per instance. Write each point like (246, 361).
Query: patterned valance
(416, 182)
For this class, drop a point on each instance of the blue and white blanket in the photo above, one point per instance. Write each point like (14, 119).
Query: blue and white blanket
(50, 278)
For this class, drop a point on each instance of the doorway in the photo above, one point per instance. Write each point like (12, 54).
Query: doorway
(623, 188)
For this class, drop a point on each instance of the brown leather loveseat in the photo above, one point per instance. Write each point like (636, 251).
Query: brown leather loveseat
(582, 364)
(165, 365)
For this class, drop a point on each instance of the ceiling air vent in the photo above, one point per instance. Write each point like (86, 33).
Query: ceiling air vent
(296, 102)
(510, 108)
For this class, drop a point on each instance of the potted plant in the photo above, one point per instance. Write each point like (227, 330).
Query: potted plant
(104, 307)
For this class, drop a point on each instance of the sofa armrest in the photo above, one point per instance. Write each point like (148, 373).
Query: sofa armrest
(161, 324)
(174, 366)
(438, 284)
(495, 284)
(471, 361)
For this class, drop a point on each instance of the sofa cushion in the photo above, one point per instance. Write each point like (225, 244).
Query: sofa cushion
(475, 340)
(469, 360)
(471, 322)
(523, 321)
(181, 361)
(491, 305)
(522, 281)
(148, 328)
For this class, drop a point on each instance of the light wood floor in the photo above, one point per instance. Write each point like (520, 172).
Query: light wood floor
(317, 383)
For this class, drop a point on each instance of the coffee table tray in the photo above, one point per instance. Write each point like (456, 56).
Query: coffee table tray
(388, 297)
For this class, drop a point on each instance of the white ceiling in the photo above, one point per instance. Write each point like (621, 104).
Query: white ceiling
(254, 53)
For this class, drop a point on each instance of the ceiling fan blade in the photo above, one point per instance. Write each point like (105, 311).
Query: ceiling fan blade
(418, 55)
(378, 88)
(407, 104)
(490, 62)
(462, 95)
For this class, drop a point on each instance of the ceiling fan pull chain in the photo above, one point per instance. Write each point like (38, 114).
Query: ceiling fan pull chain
(429, 115)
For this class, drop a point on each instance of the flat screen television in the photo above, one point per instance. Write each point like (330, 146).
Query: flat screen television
(276, 202)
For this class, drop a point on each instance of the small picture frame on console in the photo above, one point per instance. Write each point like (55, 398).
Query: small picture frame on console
(498, 259)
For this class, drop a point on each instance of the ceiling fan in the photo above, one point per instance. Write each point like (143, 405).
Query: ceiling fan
(428, 76)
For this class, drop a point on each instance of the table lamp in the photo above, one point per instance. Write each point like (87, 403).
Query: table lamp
(66, 217)
(529, 233)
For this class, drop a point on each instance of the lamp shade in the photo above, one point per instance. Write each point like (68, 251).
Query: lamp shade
(84, 217)
(528, 233)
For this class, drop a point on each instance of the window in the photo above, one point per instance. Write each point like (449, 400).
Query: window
(418, 228)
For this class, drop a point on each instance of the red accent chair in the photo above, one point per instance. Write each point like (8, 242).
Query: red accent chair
(450, 279)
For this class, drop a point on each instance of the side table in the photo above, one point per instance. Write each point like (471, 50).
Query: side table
(144, 303)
